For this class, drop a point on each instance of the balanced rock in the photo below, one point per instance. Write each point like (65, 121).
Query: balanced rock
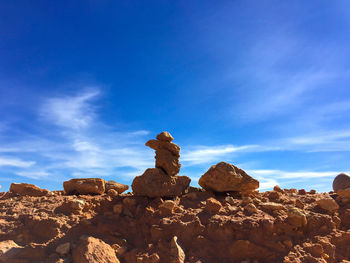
(341, 182)
(165, 136)
(154, 182)
(225, 177)
(28, 189)
(84, 186)
(93, 250)
(167, 153)
(120, 188)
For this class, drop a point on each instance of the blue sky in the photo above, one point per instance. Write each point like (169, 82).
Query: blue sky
(261, 84)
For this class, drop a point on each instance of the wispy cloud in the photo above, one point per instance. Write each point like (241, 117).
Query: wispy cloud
(278, 174)
(72, 112)
(194, 155)
(321, 141)
(78, 148)
(15, 162)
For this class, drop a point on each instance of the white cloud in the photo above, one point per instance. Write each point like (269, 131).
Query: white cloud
(5, 161)
(320, 141)
(34, 174)
(71, 112)
(206, 154)
(195, 155)
(290, 175)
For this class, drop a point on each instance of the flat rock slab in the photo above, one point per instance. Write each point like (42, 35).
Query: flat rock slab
(84, 186)
(28, 189)
(120, 188)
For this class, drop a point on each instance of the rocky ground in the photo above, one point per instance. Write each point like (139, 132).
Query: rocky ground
(94, 221)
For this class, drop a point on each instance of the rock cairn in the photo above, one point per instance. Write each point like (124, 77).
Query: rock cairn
(163, 180)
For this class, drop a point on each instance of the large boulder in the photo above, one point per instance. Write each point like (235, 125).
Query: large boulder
(28, 189)
(93, 250)
(225, 177)
(120, 188)
(341, 182)
(167, 153)
(84, 186)
(155, 182)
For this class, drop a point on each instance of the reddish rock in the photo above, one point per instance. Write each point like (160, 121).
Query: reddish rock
(212, 205)
(165, 136)
(28, 189)
(302, 192)
(93, 250)
(344, 193)
(177, 255)
(328, 204)
(84, 186)
(155, 183)
(341, 182)
(167, 153)
(8, 250)
(225, 177)
(120, 188)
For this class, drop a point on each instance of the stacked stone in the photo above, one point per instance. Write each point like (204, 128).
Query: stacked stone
(167, 153)
(163, 180)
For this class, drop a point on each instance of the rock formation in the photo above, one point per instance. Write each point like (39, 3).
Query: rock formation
(163, 180)
(225, 177)
(112, 185)
(84, 186)
(27, 189)
(227, 221)
(167, 153)
(91, 250)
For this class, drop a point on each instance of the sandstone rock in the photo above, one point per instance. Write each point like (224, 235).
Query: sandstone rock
(162, 145)
(167, 153)
(93, 250)
(155, 183)
(328, 204)
(302, 192)
(296, 217)
(120, 188)
(119, 250)
(8, 250)
(177, 255)
(63, 249)
(84, 186)
(71, 207)
(250, 209)
(224, 177)
(212, 205)
(112, 193)
(341, 182)
(271, 206)
(344, 193)
(278, 189)
(167, 208)
(165, 136)
(118, 209)
(28, 189)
